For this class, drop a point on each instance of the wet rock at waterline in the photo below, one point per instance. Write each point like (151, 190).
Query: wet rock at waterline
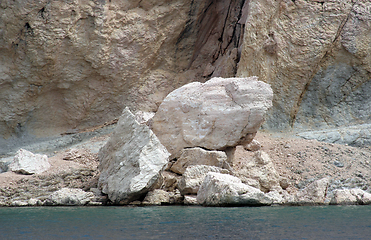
(131, 161)
(69, 197)
(220, 113)
(219, 189)
(193, 177)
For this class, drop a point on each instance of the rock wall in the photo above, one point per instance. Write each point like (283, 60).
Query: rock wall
(69, 65)
(316, 55)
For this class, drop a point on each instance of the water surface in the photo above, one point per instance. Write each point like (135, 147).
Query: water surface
(178, 222)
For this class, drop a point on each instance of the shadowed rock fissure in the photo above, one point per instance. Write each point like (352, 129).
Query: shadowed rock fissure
(219, 30)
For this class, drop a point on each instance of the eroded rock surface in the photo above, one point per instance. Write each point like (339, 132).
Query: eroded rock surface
(131, 162)
(316, 55)
(220, 113)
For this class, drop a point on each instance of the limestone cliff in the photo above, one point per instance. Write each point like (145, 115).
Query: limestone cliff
(317, 56)
(69, 65)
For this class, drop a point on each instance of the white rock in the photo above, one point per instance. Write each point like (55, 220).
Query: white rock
(143, 117)
(18, 203)
(70, 197)
(314, 193)
(193, 177)
(350, 196)
(131, 161)
(26, 162)
(220, 113)
(219, 189)
(199, 156)
(261, 169)
(157, 197)
(190, 200)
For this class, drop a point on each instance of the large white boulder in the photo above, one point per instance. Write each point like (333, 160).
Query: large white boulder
(198, 156)
(220, 113)
(26, 162)
(193, 177)
(219, 189)
(131, 161)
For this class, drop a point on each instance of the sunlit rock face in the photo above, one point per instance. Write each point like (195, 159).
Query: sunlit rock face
(217, 114)
(316, 56)
(69, 65)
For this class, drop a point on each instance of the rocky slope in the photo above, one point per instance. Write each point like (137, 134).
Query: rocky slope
(68, 66)
(298, 162)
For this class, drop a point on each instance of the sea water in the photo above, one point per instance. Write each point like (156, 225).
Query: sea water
(178, 222)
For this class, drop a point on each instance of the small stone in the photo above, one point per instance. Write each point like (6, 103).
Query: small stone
(338, 164)
(253, 146)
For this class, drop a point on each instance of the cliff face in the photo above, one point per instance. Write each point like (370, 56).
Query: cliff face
(69, 65)
(317, 57)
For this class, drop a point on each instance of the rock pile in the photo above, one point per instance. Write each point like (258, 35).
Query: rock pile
(195, 123)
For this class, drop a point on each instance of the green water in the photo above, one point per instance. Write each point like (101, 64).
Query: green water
(176, 222)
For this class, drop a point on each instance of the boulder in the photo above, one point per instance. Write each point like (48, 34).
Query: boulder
(156, 197)
(190, 200)
(261, 169)
(314, 193)
(193, 177)
(220, 113)
(169, 180)
(26, 162)
(350, 197)
(219, 189)
(199, 156)
(131, 161)
(69, 197)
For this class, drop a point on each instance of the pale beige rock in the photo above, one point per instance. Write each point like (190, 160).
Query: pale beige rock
(69, 197)
(253, 146)
(169, 180)
(26, 162)
(176, 197)
(314, 193)
(156, 197)
(71, 65)
(193, 177)
(342, 197)
(131, 161)
(198, 156)
(313, 53)
(350, 197)
(261, 169)
(190, 200)
(220, 113)
(219, 189)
